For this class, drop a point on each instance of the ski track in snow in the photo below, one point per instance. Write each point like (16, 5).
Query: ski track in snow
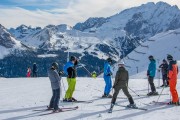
(20, 96)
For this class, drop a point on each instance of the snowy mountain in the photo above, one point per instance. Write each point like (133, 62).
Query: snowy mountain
(97, 38)
(159, 46)
(8, 44)
(140, 22)
(23, 30)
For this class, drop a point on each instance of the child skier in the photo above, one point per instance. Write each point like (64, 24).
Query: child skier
(164, 70)
(107, 78)
(121, 82)
(70, 71)
(55, 80)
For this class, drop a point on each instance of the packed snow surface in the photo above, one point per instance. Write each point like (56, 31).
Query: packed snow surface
(21, 96)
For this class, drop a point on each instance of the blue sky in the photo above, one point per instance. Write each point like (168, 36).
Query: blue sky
(45, 12)
(35, 4)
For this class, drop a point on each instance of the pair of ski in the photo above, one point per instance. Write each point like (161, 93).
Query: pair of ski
(161, 103)
(139, 108)
(79, 101)
(58, 111)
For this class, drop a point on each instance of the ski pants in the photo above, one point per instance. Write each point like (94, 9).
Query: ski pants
(71, 87)
(165, 79)
(151, 82)
(125, 91)
(34, 74)
(108, 84)
(174, 94)
(54, 103)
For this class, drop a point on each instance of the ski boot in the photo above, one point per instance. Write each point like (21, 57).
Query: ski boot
(104, 96)
(49, 108)
(109, 96)
(131, 106)
(65, 100)
(73, 99)
(111, 108)
(58, 110)
(155, 93)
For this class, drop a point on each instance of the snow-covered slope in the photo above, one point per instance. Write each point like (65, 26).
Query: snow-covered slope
(21, 96)
(8, 44)
(159, 46)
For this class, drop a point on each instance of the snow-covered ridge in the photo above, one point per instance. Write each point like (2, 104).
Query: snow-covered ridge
(159, 46)
(8, 43)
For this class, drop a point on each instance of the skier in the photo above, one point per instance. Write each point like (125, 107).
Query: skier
(34, 70)
(107, 78)
(28, 72)
(151, 74)
(172, 77)
(55, 85)
(70, 71)
(121, 82)
(164, 70)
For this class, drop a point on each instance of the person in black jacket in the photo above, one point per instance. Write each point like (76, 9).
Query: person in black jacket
(34, 70)
(164, 70)
(70, 71)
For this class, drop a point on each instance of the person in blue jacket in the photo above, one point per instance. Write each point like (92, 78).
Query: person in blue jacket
(151, 72)
(107, 78)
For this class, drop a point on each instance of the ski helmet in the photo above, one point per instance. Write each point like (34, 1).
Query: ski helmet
(55, 65)
(72, 58)
(169, 57)
(121, 63)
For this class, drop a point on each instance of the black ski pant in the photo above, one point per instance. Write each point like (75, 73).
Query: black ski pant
(151, 82)
(54, 103)
(165, 79)
(125, 91)
(34, 74)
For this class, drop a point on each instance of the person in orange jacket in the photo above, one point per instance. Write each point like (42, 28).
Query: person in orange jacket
(172, 77)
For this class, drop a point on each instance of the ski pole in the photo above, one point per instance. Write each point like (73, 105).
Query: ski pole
(148, 85)
(134, 92)
(63, 85)
(160, 94)
(85, 68)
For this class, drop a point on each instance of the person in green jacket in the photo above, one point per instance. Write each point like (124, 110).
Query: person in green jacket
(121, 82)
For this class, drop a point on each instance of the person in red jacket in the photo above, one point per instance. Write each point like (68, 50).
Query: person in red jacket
(28, 72)
(172, 77)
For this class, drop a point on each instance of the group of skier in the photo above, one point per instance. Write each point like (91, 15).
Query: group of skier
(169, 73)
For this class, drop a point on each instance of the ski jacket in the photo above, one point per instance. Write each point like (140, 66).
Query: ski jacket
(173, 70)
(54, 78)
(121, 79)
(66, 66)
(107, 69)
(72, 72)
(34, 68)
(152, 68)
(164, 68)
